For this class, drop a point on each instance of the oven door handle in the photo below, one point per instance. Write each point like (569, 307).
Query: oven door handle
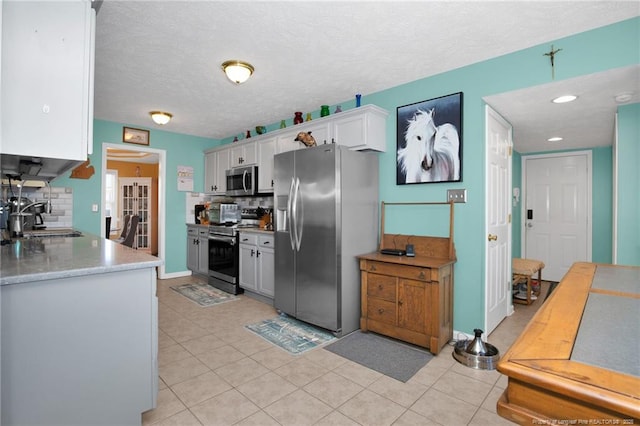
(229, 240)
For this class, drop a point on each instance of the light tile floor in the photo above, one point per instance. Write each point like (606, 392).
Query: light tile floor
(213, 371)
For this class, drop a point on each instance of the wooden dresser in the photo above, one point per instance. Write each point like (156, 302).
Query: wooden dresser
(410, 298)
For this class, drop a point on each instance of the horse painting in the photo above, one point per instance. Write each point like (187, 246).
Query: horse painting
(431, 153)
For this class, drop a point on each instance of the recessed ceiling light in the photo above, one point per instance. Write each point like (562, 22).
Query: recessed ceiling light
(564, 99)
(623, 97)
(555, 139)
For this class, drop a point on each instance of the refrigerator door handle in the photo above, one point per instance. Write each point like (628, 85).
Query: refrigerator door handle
(294, 214)
(299, 215)
(290, 215)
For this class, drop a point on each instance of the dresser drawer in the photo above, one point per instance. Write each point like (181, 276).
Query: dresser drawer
(381, 286)
(381, 310)
(398, 270)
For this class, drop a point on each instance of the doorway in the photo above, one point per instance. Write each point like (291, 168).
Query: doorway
(137, 154)
(556, 212)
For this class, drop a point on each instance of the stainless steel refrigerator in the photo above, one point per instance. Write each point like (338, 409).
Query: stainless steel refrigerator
(326, 205)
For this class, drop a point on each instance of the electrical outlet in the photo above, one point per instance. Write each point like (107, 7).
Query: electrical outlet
(457, 195)
(94, 208)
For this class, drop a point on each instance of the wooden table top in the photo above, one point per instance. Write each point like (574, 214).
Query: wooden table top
(542, 355)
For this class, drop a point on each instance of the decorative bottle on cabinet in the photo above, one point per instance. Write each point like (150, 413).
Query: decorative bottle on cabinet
(324, 110)
(298, 118)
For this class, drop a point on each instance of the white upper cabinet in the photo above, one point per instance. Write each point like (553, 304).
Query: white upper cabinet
(243, 154)
(216, 164)
(266, 151)
(361, 128)
(47, 78)
(319, 130)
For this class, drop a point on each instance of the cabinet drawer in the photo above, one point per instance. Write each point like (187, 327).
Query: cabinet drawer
(192, 232)
(381, 310)
(248, 238)
(381, 286)
(265, 241)
(403, 271)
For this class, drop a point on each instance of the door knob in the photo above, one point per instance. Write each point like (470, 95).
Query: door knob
(492, 237)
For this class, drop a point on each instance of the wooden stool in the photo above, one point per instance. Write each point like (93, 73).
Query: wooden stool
(523, 270)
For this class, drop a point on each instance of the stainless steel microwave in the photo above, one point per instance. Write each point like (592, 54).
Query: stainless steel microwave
(242, 181)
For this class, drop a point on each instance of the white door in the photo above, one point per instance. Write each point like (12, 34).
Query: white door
(498, 220)
(557, 211)
(136, 198)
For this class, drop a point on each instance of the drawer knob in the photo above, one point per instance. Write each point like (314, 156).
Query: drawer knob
(372, 267)
(399, 302)
(421, 275)
(380, 311)
(380, 287)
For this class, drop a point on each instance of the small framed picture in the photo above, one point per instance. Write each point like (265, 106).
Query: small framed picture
(429, 141)
(137, 136)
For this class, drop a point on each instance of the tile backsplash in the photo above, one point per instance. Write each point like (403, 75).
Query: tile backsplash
(61, 215)
(193, 198)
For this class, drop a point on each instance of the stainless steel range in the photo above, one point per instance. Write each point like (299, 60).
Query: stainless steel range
(224, 250)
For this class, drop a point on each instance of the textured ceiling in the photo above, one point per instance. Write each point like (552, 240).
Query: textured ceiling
(167, 55)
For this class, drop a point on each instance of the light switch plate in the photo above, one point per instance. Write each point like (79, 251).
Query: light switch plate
(457, 195)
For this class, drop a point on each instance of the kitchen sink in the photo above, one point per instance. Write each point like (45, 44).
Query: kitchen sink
(51, 233)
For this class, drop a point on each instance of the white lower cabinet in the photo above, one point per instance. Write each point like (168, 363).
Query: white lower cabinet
(198, 249)
(257, 263)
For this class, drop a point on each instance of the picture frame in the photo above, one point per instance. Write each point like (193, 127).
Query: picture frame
(135, 136)
(429, 141)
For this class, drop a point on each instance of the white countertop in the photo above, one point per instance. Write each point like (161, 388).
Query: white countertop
(37, 259)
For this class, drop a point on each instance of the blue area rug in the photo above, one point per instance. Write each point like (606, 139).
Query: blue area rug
(290, 334)
(203, 294)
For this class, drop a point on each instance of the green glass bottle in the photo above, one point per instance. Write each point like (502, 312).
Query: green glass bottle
(324, 110)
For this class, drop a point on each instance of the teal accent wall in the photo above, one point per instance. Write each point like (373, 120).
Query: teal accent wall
(594, 51)
(629, 185)
(602, 205)
(182, 150)
(516, 210)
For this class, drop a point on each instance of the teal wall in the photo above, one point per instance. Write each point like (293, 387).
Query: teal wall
(182, 150)
(590, 52)
(516, 210)
(602, 205)
(629, 185)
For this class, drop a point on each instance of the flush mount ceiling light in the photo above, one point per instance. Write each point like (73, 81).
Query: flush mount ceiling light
(564, 99)
(160, 117)
(237, 71)
(623, 97)
(555, 139)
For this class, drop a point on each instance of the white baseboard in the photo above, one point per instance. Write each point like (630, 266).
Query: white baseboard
(165, 276)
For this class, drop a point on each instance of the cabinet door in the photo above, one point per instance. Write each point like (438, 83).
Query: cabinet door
(210, 169)
(319, 131)
(248, 266)
(243, 154)
(192, 249)
(412, 306)
(47, 79)
(361, 128)
(266, 272)
(222, 165)
(216, 164)
(266, 151)
(266, 261)
(203, 255)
